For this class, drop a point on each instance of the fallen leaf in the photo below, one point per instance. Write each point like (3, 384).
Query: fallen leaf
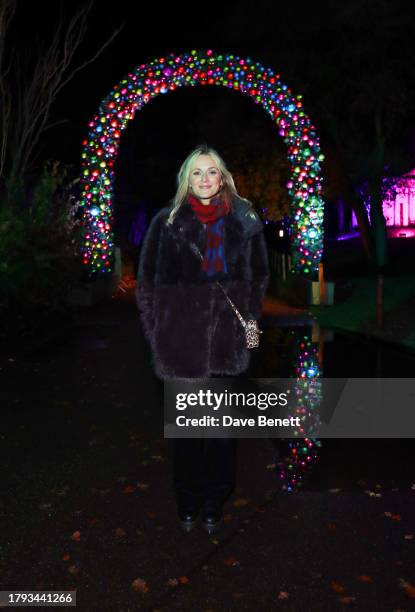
(62, 491)
(364, 578)
(231, 561)
(282, 595)
(142, 485)
(128, 489)
(120, 532)
(76, 536)
(240, 502)
(347, 600)
(394, 517)
(66, 557)
(183, 579)
(408, 588)
(157, 457)
(338, 588)
(140, 585)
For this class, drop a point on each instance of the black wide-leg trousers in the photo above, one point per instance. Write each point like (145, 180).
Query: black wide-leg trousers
(204, 471)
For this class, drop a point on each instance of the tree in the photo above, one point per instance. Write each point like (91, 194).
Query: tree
(353, 62)
(29, 86)
(39, 259)
(263, 182)
(364, 115)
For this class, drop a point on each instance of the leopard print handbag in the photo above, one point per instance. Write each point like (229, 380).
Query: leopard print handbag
(252, 331)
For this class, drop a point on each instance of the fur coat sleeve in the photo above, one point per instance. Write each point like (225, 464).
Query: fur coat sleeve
(260, 274)
(147, 273)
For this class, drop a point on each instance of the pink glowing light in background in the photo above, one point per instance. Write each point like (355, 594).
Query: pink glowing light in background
(399, 211)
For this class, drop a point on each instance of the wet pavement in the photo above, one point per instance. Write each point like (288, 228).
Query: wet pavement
(87, 503)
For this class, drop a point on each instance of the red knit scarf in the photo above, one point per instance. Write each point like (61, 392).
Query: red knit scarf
(212, 214)
(207, 213)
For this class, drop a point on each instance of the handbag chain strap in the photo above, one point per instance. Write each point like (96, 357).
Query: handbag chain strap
(236, 311)
(196, 249)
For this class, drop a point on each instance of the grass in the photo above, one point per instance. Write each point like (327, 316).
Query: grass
(358, 312)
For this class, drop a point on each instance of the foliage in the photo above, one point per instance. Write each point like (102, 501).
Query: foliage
(263, 182)
(39, 258)
(39, 246)
(364, 115)
(353, 63)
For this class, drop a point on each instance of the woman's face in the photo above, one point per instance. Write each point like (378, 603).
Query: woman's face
(205, 179)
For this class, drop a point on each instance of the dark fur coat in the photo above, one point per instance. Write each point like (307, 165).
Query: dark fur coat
(192, 329)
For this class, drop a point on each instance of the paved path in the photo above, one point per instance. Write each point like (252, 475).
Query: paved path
(87, 502)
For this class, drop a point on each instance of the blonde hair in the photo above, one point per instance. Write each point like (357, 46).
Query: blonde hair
(228, 186)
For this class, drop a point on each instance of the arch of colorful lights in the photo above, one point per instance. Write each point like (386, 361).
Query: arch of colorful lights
(201, 68)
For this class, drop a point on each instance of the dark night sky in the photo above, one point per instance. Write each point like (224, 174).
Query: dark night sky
(278, 35)
(254, 29)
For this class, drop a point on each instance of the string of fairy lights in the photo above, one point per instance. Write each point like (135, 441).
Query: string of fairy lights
(303, 453)
(201, 68)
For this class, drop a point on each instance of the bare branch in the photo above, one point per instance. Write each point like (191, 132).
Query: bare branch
(7, 11)
(48, 126)
(36, 87)
(91, 59)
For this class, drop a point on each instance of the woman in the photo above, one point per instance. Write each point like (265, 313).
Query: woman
(208, 234)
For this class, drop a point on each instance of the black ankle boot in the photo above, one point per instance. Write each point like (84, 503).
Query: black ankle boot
(188, 518)
(211, 518)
